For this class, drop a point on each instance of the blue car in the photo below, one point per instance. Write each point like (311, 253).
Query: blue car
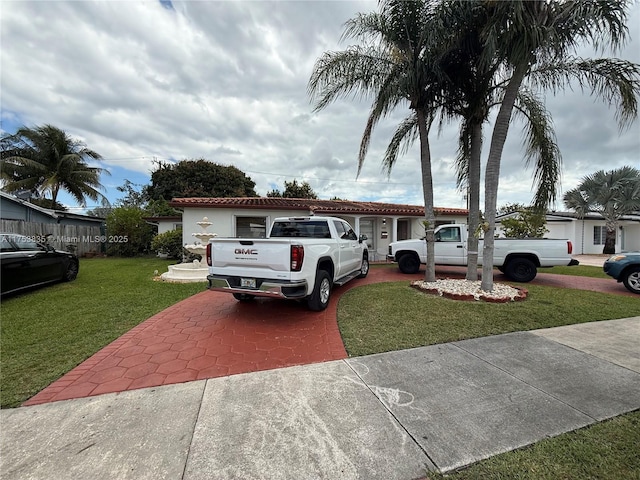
(625, 268)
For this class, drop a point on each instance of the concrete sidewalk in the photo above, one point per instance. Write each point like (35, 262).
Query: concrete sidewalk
(388, 416)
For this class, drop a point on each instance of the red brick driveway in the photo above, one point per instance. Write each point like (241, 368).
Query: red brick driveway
(211, 335)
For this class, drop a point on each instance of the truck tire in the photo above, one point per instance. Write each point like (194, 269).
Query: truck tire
(243, 297)
(520, 270)
(631, 279)
(319, 299)
(364, 267)
(409, 263)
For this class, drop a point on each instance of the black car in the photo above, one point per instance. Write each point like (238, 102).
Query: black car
(27, 263)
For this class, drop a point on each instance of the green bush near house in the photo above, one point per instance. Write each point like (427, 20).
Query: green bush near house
(128, 233)
(169, 243)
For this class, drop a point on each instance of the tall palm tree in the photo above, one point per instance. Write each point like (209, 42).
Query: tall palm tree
(470, 91)
(535, 40)
(472, 73)
(612, 194)
(397, 64)
(45, 160)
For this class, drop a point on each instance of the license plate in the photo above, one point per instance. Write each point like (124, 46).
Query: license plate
(248, 282)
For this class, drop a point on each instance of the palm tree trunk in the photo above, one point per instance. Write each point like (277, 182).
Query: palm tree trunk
(473, 195)
(54, 195)
(427, 190)
(492, 173)
(610, 239)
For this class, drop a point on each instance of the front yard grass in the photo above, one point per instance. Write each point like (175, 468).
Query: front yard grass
(578, 270)
(393, 316)
(47, 332)
(603, 451)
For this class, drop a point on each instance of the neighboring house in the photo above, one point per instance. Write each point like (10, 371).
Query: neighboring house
(165, 224)
(382, 223)
(66, 228)
(588, 234)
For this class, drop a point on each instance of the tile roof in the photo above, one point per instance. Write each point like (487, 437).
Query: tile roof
(316, 206)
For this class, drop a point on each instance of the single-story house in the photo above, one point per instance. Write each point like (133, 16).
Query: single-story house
(588, 234)
(382, 223)
(14, 208)
(166, 223)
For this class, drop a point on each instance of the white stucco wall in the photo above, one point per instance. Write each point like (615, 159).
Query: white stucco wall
(224, 221)
(167, 225)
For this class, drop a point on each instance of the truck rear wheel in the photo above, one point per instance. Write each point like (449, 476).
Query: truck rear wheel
(409, 263)
(520, 270)
(319, 299)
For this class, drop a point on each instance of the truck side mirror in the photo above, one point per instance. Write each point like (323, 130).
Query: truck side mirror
(362, 238)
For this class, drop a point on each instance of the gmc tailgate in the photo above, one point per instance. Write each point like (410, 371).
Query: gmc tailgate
(258, 258)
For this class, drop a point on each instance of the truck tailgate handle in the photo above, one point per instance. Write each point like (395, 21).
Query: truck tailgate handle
(246, 242)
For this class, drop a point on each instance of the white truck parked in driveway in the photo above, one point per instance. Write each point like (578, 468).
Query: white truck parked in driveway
(517, 258)
(302, 258)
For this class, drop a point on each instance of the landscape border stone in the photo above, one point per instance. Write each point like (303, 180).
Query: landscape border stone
(437, 289)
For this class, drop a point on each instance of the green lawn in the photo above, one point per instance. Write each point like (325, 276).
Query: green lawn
(579, 270)
(393, 316)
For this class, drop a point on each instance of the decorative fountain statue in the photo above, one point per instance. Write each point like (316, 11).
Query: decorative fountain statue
(197, 270)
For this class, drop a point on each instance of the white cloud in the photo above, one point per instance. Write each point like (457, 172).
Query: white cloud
(226, 81)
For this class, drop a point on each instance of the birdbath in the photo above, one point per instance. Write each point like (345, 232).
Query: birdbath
(192, 271)
(203, 237)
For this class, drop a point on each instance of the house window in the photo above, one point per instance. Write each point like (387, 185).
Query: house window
(599, 235)
(177, 226)
(251, 227)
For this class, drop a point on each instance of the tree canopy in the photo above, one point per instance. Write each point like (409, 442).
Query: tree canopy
(612, 193)
(525, 221)
(294, 189)
(45, 160)
(198, 178)
(461, 59)
(396, 63)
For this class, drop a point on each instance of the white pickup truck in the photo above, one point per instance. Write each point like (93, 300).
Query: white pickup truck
(517, 258)
(302, 258)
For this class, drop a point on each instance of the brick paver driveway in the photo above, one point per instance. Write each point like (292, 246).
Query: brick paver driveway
(211, 335)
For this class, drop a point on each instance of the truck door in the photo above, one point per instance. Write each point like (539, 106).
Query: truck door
(349, 249)
(449, 247)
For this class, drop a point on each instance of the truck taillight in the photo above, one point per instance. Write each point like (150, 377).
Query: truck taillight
(297, 256)
(209, 262)
(569, 247)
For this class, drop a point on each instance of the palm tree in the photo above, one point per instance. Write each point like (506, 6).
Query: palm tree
(534, 40)
(472, 72)
(45, 160)
(541, 147)
(397, 65)
(612, 194)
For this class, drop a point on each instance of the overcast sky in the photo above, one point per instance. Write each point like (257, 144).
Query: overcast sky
(226, 81)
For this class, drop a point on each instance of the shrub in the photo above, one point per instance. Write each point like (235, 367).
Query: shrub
(128, 234)
(168, 243)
